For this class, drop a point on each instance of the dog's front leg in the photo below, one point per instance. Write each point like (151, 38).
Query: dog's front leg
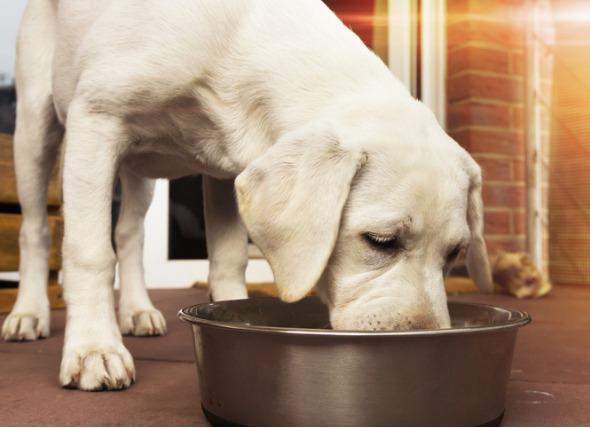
(94, 357)
(227, 241)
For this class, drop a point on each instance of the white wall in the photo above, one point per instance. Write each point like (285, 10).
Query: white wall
(12, 11)
(10, 16)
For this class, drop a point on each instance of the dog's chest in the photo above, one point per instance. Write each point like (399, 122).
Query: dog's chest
(192, 134)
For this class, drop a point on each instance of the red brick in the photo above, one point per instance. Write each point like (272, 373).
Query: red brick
(477, 58)
(519, 170)
(491, 141)
(517, 63)
(472, 85)
(503, 196)
(485, 115)
(494, 169)
(504, 34)
(497, 244)
(519, 222)
(457, 7)
(497, 8)
(517, 120)
(490, 9)
(479, 114)
(497, 222)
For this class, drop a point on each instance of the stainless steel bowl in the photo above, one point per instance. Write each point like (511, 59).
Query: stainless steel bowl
(264, 362)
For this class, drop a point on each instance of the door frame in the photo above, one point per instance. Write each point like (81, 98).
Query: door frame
(418, 52)
(161, 272)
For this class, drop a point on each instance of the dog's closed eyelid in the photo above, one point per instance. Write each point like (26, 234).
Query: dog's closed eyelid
(390, 242)
(382, 237)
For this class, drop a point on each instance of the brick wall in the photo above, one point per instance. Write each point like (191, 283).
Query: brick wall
(486, 67)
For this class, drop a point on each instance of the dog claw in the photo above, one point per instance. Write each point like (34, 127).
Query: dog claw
(97, 370)
(25, 327)
(144, 323)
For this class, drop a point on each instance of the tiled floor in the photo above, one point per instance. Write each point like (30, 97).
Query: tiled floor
(550, 383)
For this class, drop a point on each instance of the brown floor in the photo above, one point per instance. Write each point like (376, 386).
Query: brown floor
(550, 383)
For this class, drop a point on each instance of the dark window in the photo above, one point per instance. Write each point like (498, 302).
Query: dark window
(186, 221)
(7, 109)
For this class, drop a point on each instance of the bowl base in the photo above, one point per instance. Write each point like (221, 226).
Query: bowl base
(218, 421)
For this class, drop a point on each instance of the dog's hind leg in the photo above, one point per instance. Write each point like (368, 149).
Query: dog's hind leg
(227, 241)
(137, 315)
(36, 143)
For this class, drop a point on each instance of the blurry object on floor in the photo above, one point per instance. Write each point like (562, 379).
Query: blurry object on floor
(517, 275)
(455, 285)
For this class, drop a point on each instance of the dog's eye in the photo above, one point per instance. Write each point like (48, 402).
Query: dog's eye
(384, 243)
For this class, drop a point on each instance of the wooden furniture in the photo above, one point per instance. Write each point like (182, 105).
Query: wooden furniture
(10, 220)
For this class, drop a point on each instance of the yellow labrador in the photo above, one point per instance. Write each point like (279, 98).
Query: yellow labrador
(344, 181)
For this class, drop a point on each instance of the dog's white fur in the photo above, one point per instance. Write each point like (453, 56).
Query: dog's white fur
(329, 150)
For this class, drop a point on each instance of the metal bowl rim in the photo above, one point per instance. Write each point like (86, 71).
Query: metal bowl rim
(518, 319)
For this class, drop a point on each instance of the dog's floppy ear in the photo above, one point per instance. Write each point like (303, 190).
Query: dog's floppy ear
(478, 263)
(291, 200)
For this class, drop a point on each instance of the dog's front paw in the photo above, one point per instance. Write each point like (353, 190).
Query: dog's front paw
(149, 322)
(97, 368)
(21, 326)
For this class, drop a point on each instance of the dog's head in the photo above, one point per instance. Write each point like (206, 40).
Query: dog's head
(372, 214)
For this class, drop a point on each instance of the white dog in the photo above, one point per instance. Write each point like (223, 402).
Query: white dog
(344, 181)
